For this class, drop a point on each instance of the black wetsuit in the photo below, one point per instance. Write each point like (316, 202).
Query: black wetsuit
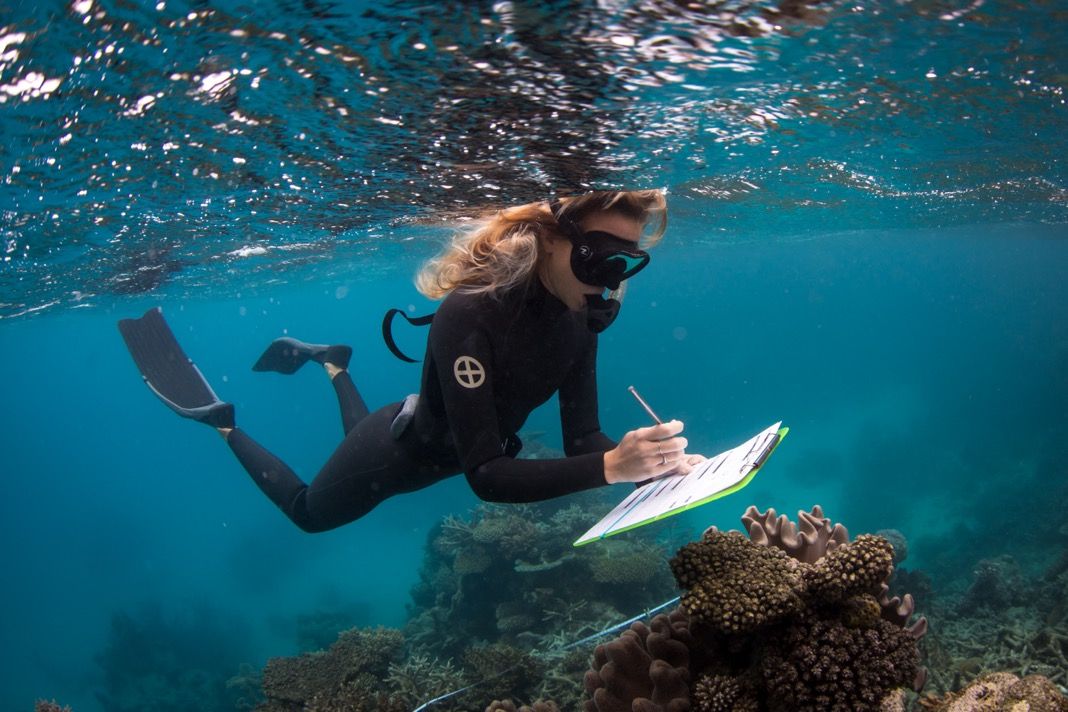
(489, 363)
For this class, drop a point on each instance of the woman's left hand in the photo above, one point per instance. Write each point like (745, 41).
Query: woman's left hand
(688, 463)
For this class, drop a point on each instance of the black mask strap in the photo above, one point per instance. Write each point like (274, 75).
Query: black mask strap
(387, 330)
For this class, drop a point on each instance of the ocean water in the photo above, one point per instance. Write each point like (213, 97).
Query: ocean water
(868, 240)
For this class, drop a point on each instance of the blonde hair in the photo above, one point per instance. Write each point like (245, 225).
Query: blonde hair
(502, 250)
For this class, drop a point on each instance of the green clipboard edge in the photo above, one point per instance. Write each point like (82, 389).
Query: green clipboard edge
(730, 490)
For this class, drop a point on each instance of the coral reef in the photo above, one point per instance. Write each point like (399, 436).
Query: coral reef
(1001, 692)
(997, 585)
(49, 706)
(792, 619)
(1003, 620)
(544, 593)
(347, 676)
(494, 586)
(509, 706)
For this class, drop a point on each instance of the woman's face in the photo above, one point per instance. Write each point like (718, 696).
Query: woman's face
(556, 268)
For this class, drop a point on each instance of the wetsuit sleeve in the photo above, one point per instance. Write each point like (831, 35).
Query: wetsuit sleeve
(464, 360)
(578, 407)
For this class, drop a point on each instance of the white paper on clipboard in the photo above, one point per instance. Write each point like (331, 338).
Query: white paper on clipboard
(674, 494)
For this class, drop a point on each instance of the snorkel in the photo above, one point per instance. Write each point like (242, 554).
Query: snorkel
(601, 312)
(600, 259)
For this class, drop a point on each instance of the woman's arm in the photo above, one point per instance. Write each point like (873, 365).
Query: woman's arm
(579, 421)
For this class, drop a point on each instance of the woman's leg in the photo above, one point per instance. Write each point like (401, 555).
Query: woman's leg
(353, 409)
(368, 467)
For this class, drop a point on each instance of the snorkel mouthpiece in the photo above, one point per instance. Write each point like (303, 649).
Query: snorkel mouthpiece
(600, 312)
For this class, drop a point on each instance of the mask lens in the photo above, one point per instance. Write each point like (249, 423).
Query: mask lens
(613, 269)
(628, 265)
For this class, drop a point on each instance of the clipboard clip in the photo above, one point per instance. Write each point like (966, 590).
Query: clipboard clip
(769, 444)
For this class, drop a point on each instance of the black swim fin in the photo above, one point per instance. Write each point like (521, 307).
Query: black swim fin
(170, 373)
(287, 355)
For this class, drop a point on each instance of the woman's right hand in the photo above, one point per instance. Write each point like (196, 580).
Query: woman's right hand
(646, 453)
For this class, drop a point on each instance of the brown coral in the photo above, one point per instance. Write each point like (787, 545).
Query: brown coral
(511, 535)
(625, 562)
(734, 585)
(861, 611)
(1001, 691)
(50, 706)
(810, 539)
(509, 706)
(850, 568)
(818, 664)
(722, 693)
(348, 672)
(646, 669)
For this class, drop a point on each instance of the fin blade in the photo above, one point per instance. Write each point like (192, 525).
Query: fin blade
(170, 373)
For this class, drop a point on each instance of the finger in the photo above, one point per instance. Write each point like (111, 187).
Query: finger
(676, 468)
(660, 431)
(658, 457)
(675, 446)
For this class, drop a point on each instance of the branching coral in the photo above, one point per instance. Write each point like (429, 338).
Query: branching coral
(347, 674)
(625, 562)
(506, 531)
(419, 678)
(502, 669)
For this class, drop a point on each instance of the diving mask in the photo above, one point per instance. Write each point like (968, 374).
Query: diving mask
(598, 258)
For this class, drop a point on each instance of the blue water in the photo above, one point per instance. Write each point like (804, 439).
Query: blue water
(869, 233)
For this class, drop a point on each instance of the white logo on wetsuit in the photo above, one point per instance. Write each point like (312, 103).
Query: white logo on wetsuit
(469, 372)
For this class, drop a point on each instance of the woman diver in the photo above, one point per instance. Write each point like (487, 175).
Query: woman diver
(523, 304)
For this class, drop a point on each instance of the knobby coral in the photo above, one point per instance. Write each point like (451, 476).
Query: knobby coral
(792, 619)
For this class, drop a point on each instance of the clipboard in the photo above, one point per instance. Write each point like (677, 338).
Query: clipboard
(717, 477)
